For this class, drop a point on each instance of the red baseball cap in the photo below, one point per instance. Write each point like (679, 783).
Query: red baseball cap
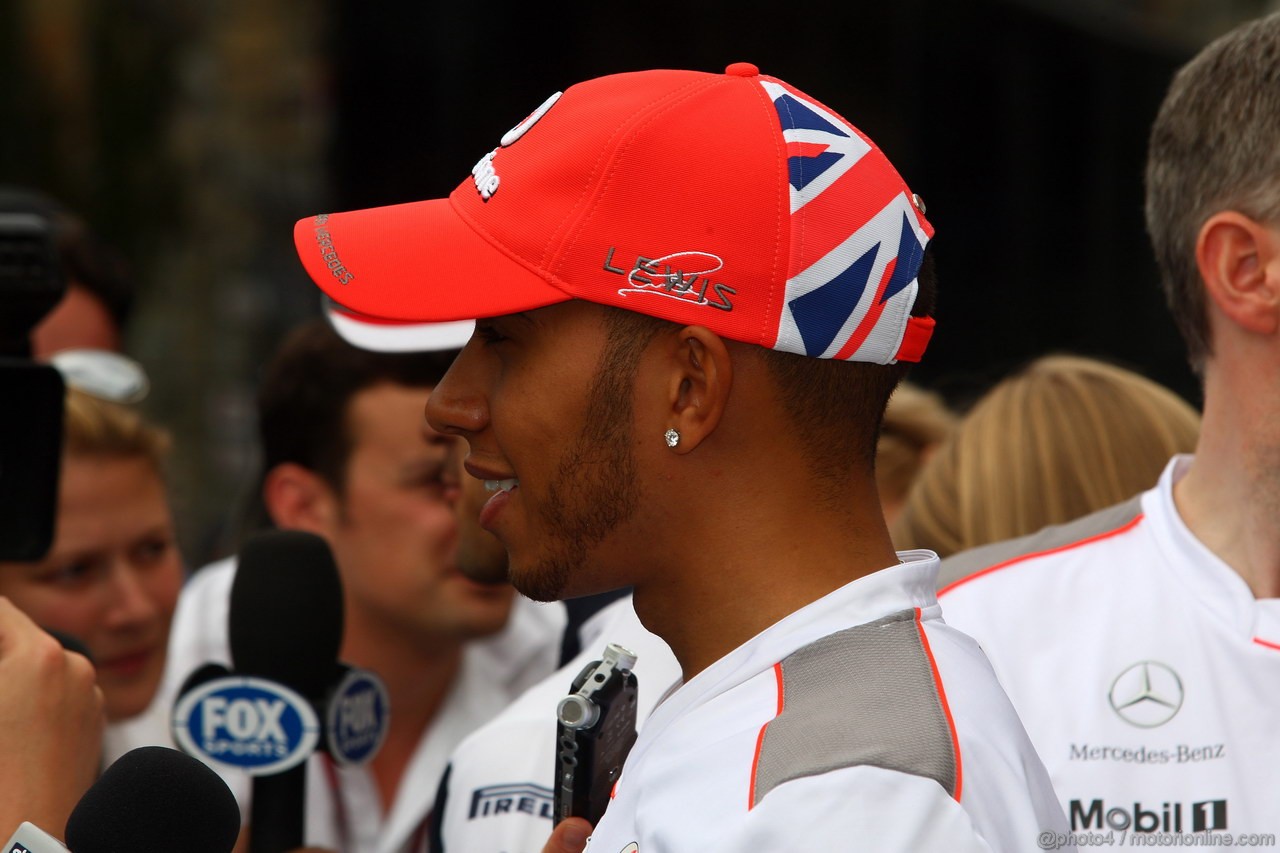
(732, 201)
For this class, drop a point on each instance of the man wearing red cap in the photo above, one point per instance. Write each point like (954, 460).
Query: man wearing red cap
(694, 295)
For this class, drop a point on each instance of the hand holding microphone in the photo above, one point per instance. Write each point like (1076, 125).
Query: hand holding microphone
(151, 800)
(51, 724)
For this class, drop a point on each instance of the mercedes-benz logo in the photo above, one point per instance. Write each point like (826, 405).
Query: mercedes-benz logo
(1147, 694)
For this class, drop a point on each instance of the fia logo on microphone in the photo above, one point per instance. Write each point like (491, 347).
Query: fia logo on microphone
(246, 723)
(356, 722)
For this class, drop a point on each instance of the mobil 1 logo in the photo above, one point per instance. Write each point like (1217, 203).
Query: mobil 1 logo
(1168, 817)
(246, 723)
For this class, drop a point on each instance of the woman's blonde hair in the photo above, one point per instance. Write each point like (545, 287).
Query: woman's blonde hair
(96, 427)
(916, 422)
(1063, 437)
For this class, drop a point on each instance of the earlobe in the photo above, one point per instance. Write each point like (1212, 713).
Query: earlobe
(1239, 262)
(297, 498)
(702, 380)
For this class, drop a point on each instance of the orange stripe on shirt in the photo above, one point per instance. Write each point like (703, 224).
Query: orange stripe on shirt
(1128, 525)
(755, 760)
(946, 708)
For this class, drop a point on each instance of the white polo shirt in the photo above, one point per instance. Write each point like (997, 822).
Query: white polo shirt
(498, 796)
(1145, 671)
(860, 721)
(344, 810)
(150, 728)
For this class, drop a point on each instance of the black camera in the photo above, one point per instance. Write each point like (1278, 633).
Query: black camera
(595, 729)
(31, 283)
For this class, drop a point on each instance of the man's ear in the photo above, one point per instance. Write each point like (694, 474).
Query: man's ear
(1239, 261)
(298, 498)
(701, 379)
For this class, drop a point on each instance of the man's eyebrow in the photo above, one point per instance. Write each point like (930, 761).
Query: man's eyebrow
(523, 317)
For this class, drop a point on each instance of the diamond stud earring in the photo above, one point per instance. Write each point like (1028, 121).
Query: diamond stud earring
(672, 437)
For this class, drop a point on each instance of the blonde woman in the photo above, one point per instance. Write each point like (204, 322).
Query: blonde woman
(1062, 437)
(916, 422)
(111, 578)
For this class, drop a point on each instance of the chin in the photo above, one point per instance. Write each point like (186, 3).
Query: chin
(488, 574)
(121, 708)
(123, 701)
(542, 580)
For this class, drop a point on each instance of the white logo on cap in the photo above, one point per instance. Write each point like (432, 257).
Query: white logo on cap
(523, 127)
(485, 176)
(665, 277)
(486, 179)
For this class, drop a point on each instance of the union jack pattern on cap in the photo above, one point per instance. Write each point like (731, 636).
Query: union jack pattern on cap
(731, 201)
(848, 294)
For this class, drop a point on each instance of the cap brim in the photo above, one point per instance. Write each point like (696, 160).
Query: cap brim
(378, 335)
(419, 261)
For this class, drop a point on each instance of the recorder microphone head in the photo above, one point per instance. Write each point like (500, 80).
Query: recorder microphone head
(286, 619)
(155, 799)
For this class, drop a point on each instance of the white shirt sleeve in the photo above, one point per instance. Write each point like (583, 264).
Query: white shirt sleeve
(863, 808)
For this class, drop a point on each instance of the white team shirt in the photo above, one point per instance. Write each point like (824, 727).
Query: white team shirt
(1145, 671)
(859, 721)
(150, 728)
(499, 794)
(344, 810)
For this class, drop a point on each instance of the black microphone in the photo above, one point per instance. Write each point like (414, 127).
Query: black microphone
(286, 620)
(151, 799)
(285, 625)
(70, 643)
(287, 694)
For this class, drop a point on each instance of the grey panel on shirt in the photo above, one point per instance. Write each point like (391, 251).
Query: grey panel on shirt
(862, 696)
(965, 563)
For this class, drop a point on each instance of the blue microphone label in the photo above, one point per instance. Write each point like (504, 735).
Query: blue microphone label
(246, 723)
(357, 718)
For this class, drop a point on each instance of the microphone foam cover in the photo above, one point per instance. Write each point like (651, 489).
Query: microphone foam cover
(286, 611)
(202, 675)
(155, 799)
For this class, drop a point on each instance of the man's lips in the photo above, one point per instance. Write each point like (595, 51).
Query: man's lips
(501, 497)
(485, 472)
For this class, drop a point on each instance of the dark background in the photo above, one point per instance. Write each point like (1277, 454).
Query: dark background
(1024, 133)
(193, 135)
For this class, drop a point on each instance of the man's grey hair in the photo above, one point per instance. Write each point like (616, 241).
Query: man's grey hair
(1215, 146)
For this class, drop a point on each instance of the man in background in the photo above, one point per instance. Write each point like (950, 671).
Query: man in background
(346, 457)
(98, 302)
(1141, 644)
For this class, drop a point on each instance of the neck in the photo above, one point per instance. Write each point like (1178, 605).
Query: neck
(774, 555)
(418, 677)
(1230, 498)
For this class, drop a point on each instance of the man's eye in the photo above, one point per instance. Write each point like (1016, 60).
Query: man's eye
(489, 333)
(69, 574)
(151, 551)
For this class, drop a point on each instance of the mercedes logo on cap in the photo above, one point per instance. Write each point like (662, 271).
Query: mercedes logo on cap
(1147, 694)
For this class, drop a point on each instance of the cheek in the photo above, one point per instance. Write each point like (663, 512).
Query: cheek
(437, 525)
(164, 587)
(77, 614)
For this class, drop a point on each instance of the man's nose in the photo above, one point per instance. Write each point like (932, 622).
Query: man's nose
(457, 405)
